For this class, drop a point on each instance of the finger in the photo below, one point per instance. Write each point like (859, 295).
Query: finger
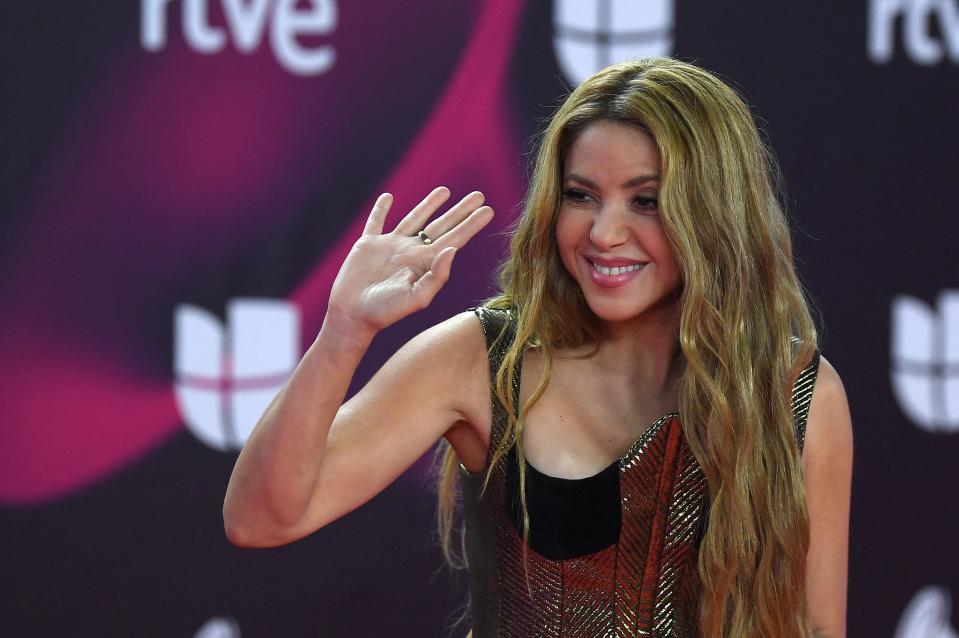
(416, 219)
(374, 224)
(426, 287)
(452, 217)
(465, 230)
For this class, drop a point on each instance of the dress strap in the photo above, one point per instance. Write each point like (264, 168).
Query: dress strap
(499, 328)
(802, 397)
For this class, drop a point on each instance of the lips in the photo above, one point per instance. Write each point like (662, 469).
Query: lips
(616, 270)
(613, 262)
(612, 273)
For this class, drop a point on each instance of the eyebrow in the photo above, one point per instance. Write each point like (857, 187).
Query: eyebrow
(635, 181)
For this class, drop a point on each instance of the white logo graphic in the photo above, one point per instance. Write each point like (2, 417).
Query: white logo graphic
(592, 34)
(245, 23)
(226, 377)
(927, 616)
(219, 628)
(925, 361)
(918, 36)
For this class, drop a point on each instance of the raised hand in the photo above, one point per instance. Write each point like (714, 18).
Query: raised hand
(387, 276)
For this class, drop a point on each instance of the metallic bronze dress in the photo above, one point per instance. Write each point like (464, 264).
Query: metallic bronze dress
(614, 554)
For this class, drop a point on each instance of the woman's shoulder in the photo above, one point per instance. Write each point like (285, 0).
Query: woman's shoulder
(829, 427)
(449, 355)
(829, 393)
(460, 336)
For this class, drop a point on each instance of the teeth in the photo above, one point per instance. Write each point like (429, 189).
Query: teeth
(617, 270)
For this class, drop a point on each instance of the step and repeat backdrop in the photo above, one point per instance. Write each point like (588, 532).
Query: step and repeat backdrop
(180, 180)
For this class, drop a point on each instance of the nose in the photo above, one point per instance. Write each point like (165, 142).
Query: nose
(609, 228)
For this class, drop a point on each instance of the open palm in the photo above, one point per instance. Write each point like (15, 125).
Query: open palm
(387, 276)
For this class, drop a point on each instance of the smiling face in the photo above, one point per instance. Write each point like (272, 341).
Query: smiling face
(609, 232)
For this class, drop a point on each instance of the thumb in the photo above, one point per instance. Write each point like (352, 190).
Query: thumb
(433, 279)
(443, 263)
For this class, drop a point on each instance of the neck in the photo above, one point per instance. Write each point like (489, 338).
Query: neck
(645, 350)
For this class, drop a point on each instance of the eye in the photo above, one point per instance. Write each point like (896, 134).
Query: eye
(576, 195)
(646, 202)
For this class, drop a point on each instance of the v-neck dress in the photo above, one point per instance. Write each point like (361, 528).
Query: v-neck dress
(614, 554)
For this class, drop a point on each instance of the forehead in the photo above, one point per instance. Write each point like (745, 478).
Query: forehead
(614, 149)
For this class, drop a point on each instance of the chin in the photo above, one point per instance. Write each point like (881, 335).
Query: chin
(661, 309)
(605, 312)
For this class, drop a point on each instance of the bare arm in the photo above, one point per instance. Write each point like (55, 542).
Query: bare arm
(312, 458)
(827, 460)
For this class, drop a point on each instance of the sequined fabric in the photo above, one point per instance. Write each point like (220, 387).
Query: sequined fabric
(802, 397)
(645, 584)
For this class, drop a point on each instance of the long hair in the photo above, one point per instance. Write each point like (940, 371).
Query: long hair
(745, 329)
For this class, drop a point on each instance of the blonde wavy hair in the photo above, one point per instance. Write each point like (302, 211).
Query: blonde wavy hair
(741, 305)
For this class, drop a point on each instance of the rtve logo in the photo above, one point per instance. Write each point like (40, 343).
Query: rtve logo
(245, 22)
(226, 377)
(925, 361)
(927, 616)
(591, 34)
(918, 20)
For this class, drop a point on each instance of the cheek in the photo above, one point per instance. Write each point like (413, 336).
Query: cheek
(670, 264)
(569, 233)
(663, 254)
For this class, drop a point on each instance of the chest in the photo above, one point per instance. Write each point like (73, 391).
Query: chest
(656, 482)
(584, 420)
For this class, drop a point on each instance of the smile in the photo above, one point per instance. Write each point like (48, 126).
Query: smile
(614, 276)
(616, 270)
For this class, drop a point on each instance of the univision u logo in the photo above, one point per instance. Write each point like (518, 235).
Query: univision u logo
(927, 615)
(591, 34)
(925, 360)
(219, 628)
(226, 376)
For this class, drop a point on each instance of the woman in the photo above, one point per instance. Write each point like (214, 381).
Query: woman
(650, 276)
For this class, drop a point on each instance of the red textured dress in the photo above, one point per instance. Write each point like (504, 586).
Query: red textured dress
(613, 554)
